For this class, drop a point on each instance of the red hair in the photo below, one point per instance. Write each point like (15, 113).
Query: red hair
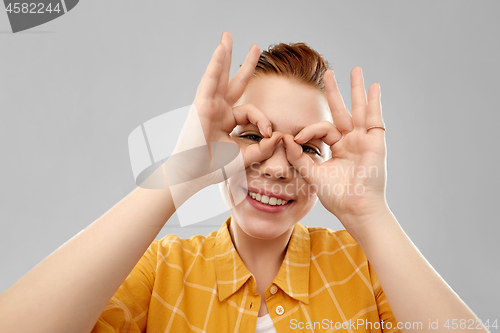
(296, 60)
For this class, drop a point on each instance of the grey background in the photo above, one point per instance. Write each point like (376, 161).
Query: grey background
(73, 89)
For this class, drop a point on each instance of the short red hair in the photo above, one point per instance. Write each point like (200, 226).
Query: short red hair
(296, 60)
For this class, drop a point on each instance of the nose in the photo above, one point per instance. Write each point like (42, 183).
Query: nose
(277, 166)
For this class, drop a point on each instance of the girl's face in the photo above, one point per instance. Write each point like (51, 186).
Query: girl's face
(290, 106)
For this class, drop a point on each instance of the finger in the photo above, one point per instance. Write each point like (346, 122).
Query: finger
(263, 150)
(249, 113)
(240, 81)
(341, 117)
(300, 161)
(227, 40)
(374, 110)
(210, 79)
(324, 131)
(358, 98)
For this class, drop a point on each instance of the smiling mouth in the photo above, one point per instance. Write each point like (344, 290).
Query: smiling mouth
(264, 199)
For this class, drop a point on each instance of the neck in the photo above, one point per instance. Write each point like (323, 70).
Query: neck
(262, 257)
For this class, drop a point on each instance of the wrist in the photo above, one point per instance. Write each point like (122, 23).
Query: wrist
(361, 210)
(364, 228)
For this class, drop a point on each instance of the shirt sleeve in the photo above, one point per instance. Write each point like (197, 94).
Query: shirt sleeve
(387, 320)
(127, 311)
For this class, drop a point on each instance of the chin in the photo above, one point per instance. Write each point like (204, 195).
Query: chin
(262, 229)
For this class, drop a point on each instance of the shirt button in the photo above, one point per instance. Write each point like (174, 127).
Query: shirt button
(274, 289)
(280, 310)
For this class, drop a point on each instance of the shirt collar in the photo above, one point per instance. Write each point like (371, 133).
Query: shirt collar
(293, 275)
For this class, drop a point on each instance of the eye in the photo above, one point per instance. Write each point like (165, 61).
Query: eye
(252, 137)
(310, 150)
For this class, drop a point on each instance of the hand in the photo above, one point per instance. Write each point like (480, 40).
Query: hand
(212, 116)
(352, 182)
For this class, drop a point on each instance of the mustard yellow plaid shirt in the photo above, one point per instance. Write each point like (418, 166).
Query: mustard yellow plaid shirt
(200, 284)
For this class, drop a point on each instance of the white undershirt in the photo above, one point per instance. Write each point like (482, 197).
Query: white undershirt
(265, 325)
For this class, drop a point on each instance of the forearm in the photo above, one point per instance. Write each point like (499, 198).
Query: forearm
(69, 289)
(414, 290)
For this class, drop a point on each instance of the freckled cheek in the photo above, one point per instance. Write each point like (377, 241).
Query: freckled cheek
(312, 199)
(307, 192)
(253, 173)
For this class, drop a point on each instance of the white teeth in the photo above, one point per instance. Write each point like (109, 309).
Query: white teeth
(264, 199)
(267, 200)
